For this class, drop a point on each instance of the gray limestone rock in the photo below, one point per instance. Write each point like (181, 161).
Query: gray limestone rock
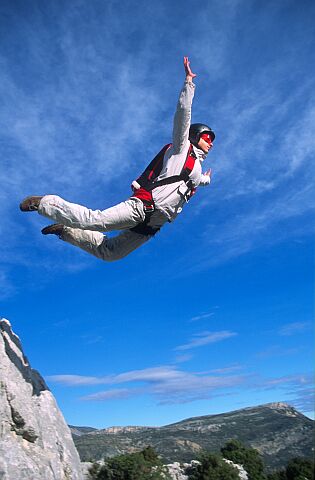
(241, 472)
(35, 441)
(177, 471)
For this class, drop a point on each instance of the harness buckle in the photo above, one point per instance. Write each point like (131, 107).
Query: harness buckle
(148, 208)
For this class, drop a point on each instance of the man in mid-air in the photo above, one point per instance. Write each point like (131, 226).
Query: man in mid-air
(159, 194)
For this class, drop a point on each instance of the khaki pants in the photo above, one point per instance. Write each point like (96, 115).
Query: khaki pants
(83, 226)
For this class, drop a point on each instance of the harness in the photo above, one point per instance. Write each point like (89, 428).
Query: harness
(148, 183)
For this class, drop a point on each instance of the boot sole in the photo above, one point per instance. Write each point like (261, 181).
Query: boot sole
(29, 205)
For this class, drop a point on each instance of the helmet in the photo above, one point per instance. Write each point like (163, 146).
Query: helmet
(196, 129)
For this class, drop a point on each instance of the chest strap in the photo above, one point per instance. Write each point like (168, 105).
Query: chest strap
(150, 184)
(147, 181)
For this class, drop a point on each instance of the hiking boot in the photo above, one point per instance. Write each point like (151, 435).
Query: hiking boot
(55, 229)
(30, 204)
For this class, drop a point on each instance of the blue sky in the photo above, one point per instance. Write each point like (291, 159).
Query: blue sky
(216, 312)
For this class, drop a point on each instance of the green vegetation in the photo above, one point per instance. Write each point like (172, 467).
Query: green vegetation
(300, 469)
(297, 469)
(280, 475)
(144, 465)
(248, 457)
(212, 467)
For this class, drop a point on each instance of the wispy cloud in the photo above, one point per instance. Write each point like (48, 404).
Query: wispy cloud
(183, 358)
(232, 368)
(294, 328)
(167, 384)
(79, 380)
(114, 394)
(263, 167)
(170, 385)
(276, 351)
(71, 131)
(144, 375)
(303, 398)
(255, 227)
(77, 124)
(202, 316)
(205, 338)
(298, 390)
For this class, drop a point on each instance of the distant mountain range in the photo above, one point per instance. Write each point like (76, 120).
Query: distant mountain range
(276, 430)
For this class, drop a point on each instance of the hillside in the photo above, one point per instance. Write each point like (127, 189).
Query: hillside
(277, 430)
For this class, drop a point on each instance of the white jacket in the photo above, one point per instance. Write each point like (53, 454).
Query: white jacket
(169, 199)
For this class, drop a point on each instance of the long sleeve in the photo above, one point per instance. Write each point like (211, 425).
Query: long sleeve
(182, 116)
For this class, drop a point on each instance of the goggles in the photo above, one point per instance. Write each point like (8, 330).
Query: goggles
(207, 138)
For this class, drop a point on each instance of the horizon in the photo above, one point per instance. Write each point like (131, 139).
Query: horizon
(199, 416)
(217, 311)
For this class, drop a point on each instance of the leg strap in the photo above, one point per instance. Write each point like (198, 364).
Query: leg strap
(144, 229)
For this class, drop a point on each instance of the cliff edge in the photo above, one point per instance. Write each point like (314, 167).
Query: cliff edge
(35, 441)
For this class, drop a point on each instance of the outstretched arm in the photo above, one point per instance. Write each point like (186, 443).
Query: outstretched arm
(183, 111)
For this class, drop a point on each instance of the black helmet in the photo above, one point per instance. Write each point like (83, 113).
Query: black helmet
(196, 129)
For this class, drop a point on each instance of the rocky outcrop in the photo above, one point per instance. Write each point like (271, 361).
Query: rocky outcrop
(177, 471)
(35, 441)
(241, 472)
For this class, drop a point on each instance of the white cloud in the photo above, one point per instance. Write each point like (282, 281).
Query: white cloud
(145, 375)
(78, 380)
(294, 328)
(297, 389)
(202, 316)
(156, 374)
(230, 369)
(183, 358)
(113, 394)
(167, 384)
(81, 126)
(276, 351)
(288, 380)
(205, 338)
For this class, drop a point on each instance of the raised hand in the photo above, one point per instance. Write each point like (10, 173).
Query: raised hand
(188, 71)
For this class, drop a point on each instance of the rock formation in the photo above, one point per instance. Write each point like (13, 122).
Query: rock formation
(241, 472)
(35, 441)
(177, 470)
